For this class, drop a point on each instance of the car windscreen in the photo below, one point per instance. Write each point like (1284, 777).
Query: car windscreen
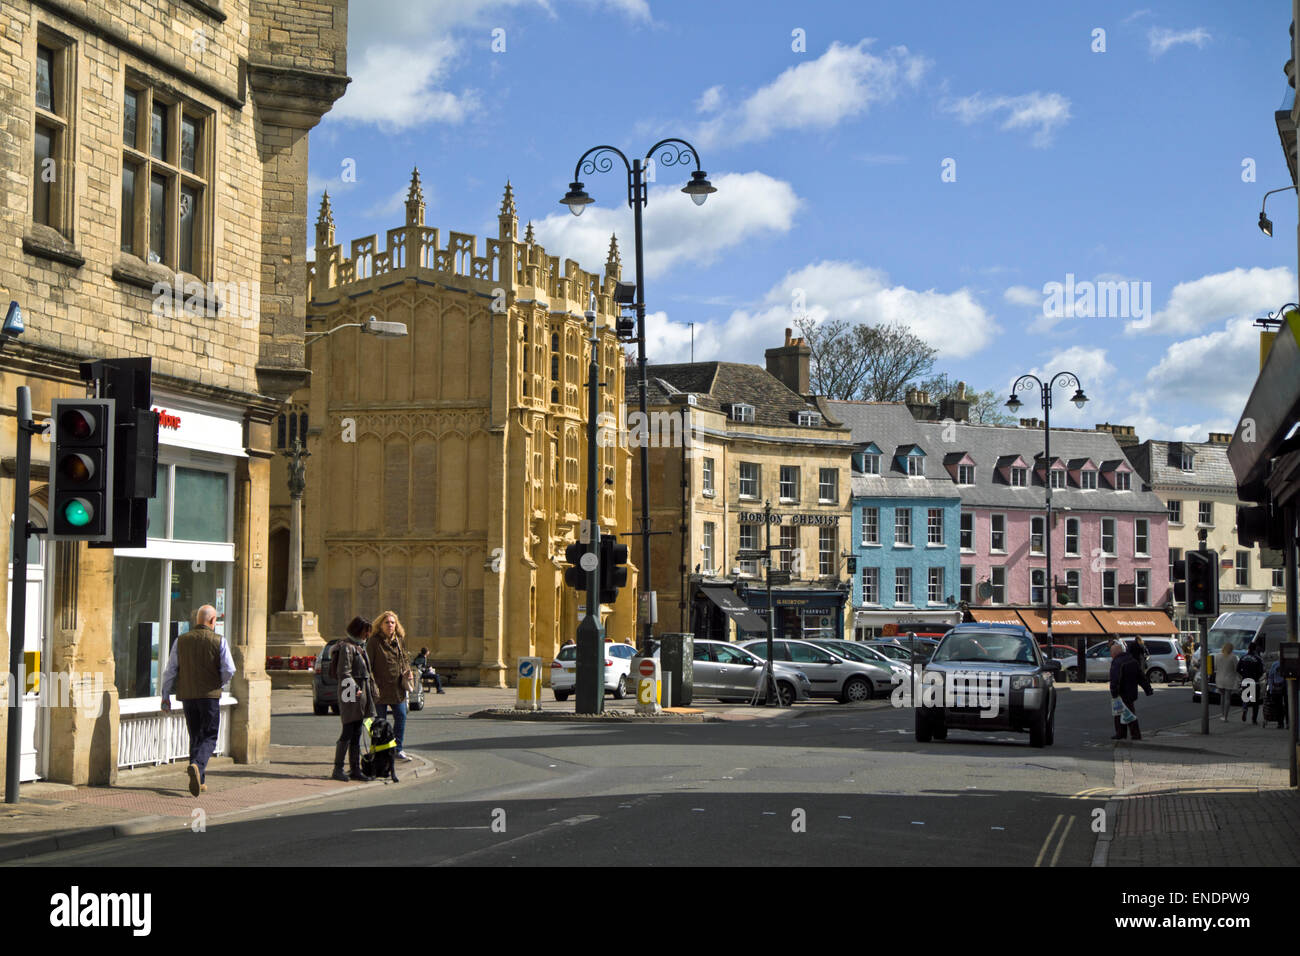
(851, 652)
(986, 647)
(1238, 637)
(896, 652)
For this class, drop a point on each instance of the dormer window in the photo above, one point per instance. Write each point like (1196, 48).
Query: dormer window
(810, 419)
(1187, 461)
(915, 466)
(1019, 477)
(870, 464)
(965, 474)
(740, 412)
(910, 460)
(1057, 477)
(1122, 481)
(1088, 480)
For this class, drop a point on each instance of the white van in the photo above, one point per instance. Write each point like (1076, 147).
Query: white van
(1240, 628)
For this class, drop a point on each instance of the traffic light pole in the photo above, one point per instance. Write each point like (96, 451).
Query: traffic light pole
(18, 602)
(1204, 627)
(591, 655)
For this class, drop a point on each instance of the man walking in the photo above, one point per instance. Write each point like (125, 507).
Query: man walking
(1125, 677)
(197, 668)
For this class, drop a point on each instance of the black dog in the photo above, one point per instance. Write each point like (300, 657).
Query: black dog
(380, 761)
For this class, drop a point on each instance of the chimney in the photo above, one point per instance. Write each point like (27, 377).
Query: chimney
(957, 406)
(918, 403)
(1029, 423)
(789, 364)
(1220, 438)
(1125, 435)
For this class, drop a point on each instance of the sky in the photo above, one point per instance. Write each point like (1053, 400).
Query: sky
(1029, 187)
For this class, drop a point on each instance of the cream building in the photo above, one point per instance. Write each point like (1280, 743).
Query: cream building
(151, 148)
(448, 468)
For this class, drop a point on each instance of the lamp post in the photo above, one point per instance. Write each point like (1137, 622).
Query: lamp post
(599, 159)
(1024, 383)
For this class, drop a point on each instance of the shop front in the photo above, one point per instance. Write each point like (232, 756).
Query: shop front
(1137, 623)
(869, 623)
(800, 614)
(1068, 625)
(188, 562)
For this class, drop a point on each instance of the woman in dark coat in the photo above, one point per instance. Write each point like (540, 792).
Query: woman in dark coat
(1126, 675)
(356, 698)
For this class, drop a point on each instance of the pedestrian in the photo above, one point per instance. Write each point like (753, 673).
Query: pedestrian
(356, 698)
(1275, 705)
(1251, 668)
(424, 671)
(393, 674)
(1126, 676)
(198, 666)
(1225, 676)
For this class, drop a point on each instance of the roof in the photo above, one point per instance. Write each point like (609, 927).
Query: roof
(891, 427)
(1210, 467)
(718, 385)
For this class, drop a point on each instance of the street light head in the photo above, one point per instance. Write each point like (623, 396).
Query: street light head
(1014, 403)
(1265, 225)
(385, 330)
(1079, 398)
(576, 199)
(699, 187)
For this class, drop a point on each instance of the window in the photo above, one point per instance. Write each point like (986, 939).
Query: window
(967, 584)
(289, 428)
(1175, 512)
(1142, 588)
(902, 585)
(1088, 480)
(1019, 477)
(1122, 481)
(1037, 533)
(789, 544)
(871, 585)
(870, 526)
(934, 527)
(555, 356)
(1072, 586)
(915, 466)
(826, 563)
(165, 176)
(1057, 476)
(934, 589)
(1140, 536)
(52, 169)
(998, 533)
(749, 479)
(965, 474)
(1187, 461)
(1175, 555)
(1242, 567)
(810, 419)
(998, 581)
(706, 548)
(1108, 588)
(740, 412)
(1108, 536)
(828, 481)
(1279, 578)
(1072, 536)
(749, 542)
(1038, 586)
(706, 482)
(903, 526)
(789, 489)
(870, 464)
(968, 531)
(1205, 513)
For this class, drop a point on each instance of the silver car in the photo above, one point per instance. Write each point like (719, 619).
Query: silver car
(858, 651)
(1165, 661)
(726, 671)
(831, 675)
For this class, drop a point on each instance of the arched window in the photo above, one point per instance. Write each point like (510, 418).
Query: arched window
(279, 431)
(555, 356)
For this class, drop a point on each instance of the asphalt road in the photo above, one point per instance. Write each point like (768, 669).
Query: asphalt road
(823, 784)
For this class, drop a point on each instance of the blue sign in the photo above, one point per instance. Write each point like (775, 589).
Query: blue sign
(525, 668)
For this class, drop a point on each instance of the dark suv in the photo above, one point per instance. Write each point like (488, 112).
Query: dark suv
(988, 677)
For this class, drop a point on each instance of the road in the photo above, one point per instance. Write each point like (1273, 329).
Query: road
(822, 784)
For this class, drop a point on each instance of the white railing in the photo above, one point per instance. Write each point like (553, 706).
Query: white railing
(147, 734)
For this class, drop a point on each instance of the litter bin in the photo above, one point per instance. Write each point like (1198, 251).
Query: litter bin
(677, 658)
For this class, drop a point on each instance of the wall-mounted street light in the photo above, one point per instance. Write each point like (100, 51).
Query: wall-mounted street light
(600, 159)
(1266, 224)
(372, 326)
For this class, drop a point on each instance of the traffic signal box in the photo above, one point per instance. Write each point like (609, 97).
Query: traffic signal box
(613, 569)
(128, 382)
(1202, 585)
(81, 469)
(574, 576)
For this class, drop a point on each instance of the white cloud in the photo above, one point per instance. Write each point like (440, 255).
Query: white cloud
(1023, 295)
(710, 100)
(1238, 293)
(843, 82)
(396, 87)
(746, 206)
(1217, 369)
(1041, 112)
(1161, 39)
(1136, 14)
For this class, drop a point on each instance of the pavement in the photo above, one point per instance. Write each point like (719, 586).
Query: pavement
(1179, 797)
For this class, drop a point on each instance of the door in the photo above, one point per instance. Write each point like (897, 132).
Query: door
(34, 650)
(738, 671)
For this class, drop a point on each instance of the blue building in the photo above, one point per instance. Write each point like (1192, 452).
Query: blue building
(906, 521)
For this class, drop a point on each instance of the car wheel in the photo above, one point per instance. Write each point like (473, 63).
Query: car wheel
(320, 709)
(939, 730)
(1049, 737)
(1072, 674)
(561, 695)
(1157, 676)
(923, 733)
(1038, 731)
(620, 689)
(856, 690)
(786, 692)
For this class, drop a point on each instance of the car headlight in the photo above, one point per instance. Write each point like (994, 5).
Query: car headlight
(1020, 683)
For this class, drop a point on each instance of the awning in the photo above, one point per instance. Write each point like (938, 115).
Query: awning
(989, 616)
(735, 609)
(1136, 622)
(1064, 621)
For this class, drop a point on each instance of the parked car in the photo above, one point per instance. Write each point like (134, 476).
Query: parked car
(1240, 628)
(1014, 684)
(902, 651)
(618, 664)
(725, 671)
(858, 651)
(1165, 661)
(831, 675)
(324, 688)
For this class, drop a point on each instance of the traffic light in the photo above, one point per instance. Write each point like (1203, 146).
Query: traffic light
(81, 469)
(625, 327)
(128, 381)
(1203, 583)
(1180, 581)
(613, 569)
(575, 577)
(1257, 525)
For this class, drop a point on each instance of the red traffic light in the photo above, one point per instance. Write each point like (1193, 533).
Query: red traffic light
(76, 423)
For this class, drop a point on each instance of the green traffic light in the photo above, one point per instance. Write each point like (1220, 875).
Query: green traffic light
(76, 513)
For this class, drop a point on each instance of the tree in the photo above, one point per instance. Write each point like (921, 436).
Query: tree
(859, 361)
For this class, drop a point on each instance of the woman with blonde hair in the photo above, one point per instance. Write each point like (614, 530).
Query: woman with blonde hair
(392, 671)
(1225, 676)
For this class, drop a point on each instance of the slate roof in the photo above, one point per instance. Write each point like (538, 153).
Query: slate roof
(891, 426)
(717, 385)
(1210, 467)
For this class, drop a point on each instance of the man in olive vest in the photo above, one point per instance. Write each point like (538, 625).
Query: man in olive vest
(198, 666)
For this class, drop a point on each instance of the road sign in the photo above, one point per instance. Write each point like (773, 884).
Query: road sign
(647, 668)
(748, 555)
(779, 577)
(588, 562)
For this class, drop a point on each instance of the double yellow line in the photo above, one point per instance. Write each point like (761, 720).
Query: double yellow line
(1051, 834)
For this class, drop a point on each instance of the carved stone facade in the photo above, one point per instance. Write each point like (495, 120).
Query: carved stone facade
(448, 467)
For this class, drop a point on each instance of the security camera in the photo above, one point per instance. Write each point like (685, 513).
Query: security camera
(13, 326)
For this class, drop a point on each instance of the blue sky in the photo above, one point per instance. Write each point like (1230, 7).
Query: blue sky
(933, 164)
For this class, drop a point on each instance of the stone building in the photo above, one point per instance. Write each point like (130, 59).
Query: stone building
(724, 439)
(156, 156)
(448, 467)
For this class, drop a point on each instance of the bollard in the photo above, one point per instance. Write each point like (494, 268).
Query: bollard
(645, 671)
(529, 696)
